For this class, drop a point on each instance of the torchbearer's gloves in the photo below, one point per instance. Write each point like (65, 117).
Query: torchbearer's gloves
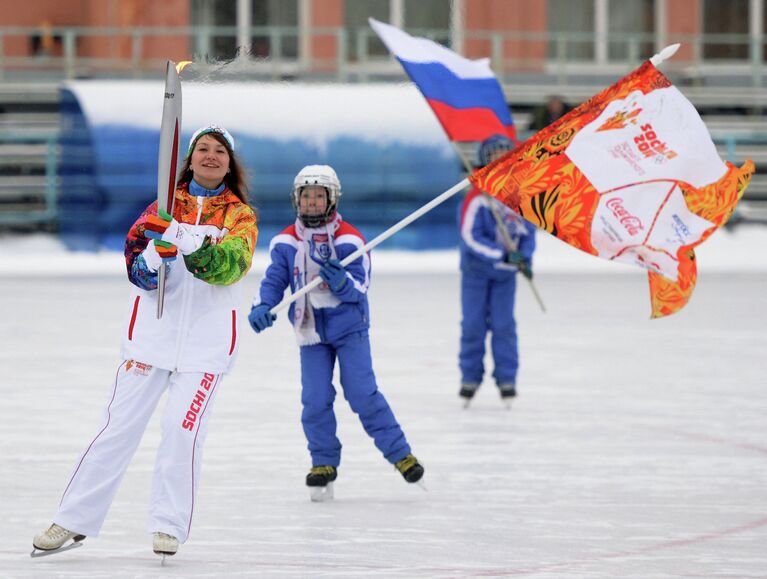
(166, 251)
(334, 274)
(163, 227)
(158, 253)
(261, 317)
(206, 261)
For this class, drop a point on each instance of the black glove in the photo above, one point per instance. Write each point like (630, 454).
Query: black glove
(514, 258)
(518, 260)
(525, 268)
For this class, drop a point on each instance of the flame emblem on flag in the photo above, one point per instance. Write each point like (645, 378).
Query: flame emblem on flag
(619, 119)
(574, 184)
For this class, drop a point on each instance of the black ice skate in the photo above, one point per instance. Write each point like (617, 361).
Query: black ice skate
(410, 468)
(53, 540)
(320, 482)
(508, 391)
(467, 392)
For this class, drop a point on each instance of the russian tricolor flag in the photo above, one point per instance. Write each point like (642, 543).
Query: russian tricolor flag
(463, 93)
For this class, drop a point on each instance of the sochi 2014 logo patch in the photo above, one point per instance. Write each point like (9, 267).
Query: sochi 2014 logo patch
(650, 145)
(647, 142)
(139, 368)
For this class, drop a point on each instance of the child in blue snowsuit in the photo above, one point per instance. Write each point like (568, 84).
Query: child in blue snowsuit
(330, 322)
(488, 282)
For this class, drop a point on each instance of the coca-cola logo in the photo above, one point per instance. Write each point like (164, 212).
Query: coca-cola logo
(631, 223)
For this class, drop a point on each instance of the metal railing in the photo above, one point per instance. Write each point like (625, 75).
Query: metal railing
(275, 50)
(29, 198)
(14, 193)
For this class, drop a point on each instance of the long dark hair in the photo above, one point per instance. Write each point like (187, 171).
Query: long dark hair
(234, 179)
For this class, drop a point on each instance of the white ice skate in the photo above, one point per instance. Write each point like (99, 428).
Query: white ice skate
(53, 540)
(165, 545)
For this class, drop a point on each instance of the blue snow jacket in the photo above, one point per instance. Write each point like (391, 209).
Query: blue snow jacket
(482, 245)
(331, 323)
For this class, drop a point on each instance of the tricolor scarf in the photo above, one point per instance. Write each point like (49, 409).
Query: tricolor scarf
(315, 247)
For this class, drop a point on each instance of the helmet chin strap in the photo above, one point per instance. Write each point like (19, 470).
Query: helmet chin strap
(316, 220)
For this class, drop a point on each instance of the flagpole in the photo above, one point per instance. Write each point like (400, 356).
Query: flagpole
(371, 244)
(508, 242)
(395, 40)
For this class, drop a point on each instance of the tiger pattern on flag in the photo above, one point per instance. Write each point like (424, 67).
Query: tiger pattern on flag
(630, 175)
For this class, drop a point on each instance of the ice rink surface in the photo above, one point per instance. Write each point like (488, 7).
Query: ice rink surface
(636, 448)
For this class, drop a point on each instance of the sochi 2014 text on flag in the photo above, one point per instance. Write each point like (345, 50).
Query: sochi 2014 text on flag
(464, 94)
(631, 175)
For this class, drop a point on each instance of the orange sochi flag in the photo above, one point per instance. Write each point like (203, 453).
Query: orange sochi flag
(631, 175)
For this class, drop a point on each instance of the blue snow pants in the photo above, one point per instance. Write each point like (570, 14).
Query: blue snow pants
(360, 390)
(488, 305)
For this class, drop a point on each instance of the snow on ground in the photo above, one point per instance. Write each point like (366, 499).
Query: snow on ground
(741, 249)
(635, 449)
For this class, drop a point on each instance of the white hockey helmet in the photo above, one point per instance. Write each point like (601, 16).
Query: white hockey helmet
(317, 175)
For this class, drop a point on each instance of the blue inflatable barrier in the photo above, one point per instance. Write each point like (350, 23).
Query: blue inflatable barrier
(385, 144)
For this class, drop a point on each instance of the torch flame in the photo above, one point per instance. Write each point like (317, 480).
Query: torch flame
(182, 65)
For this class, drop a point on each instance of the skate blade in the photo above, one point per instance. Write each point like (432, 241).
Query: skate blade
(45, 552)
(421, 484)
(163, 555)
(322, 494)
(466, 402)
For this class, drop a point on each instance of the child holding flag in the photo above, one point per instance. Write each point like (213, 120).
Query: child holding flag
(488, 281)
(331, 322)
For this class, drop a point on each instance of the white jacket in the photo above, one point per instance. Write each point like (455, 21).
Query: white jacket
(198, 331)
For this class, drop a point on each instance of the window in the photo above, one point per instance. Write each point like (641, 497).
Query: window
(359, 36)
(272, 13)
(279, 14)
(725, 29)
(571, 25)
(763, 39)
(429, 18)
(631, 29)
(206, 13)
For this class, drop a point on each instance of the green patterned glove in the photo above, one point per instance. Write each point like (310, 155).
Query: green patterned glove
(206, 261)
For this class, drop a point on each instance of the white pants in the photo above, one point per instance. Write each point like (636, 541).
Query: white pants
(97, 475)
